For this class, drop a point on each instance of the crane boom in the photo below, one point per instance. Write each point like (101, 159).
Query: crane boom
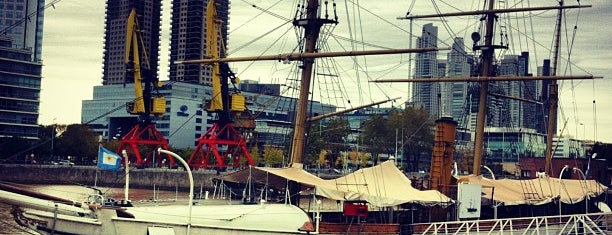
(144, 132)
(212, 51)
(144, 104)
(223, 132)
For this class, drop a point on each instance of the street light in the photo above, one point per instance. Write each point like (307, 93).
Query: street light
(177, 157)
(560, 174)
(52, 137)
(586, 196)
(490, 171)
(495, 205)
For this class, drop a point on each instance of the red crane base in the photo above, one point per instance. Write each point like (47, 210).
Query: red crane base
(212, 140)
(145, 135)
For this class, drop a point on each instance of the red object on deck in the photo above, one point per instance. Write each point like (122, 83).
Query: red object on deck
(355, 208)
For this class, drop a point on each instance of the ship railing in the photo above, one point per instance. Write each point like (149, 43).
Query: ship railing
(592, 223)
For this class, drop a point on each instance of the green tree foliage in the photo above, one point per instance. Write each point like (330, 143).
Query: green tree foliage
(43, 151)
(412, 125)
(354, 157)
(13, 149)
(112, 145)
(255, 155)
(273, 157)
(330, 136)
(418, 136)
(322, 160)
(185, 154)
(376, 135)
(364, 158)
(359, 159)
(78, 141)
(314, 144)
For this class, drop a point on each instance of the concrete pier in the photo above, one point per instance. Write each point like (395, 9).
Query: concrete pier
(139, 178)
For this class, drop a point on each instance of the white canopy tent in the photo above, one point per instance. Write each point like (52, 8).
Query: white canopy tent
(537, 191)
(382, 185)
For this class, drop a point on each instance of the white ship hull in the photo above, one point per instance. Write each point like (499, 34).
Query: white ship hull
(164, 219)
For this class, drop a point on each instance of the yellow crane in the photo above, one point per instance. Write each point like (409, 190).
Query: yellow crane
(145, 103)
(222, 143)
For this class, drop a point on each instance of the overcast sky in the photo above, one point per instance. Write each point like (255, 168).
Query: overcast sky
(74, 36)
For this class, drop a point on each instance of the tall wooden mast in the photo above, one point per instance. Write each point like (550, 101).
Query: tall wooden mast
(553, 96)
(312, 26)
(486, 71)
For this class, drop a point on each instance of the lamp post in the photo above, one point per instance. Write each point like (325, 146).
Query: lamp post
(586, 195)
(177, 157)
(490, 171)
(582, 149)
(560, 174)
(495, 205)
(52, 137)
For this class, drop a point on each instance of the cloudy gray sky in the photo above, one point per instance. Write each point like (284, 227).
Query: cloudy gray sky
(73, 41)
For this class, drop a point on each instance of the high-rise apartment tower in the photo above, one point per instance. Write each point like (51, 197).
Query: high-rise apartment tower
(149, 21)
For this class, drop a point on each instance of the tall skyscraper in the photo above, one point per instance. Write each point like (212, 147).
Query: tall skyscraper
(188, 39)
(21, 32)
(426, 66)
(22, 21)
(445, 96)
(458, 66)
(509, 66)
(149, 20)
(521, 113)
(544, 92)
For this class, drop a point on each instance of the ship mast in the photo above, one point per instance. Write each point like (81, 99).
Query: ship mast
(312, 26)
(486, 71)
(553, 96)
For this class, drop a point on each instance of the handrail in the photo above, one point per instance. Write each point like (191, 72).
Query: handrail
(594, 223)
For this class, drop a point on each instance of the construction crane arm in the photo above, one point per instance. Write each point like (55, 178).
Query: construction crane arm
(144, 104)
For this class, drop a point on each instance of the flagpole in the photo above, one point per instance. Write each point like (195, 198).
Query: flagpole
(127, 175)
(97, 166)
(96, 178)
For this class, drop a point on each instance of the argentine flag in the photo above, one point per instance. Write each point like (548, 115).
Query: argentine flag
(108, 160)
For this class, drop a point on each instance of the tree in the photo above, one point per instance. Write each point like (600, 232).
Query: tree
(112, 144)
(272, 156)
(413, 125)
(184, 153)
(354, 157)
(314, 144)
(329, 135)
(255, 155)
(376, 135)
(341, 159)
(13, 149)
(418, 136)
(45, 144)
(322, 160)
(332, 137)
(364, 159)
(358, 158)
(78, 141)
